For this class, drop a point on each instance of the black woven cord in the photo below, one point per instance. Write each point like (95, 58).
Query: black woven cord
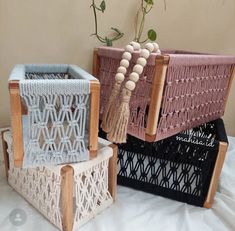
(161, 191)
(36, 75)
(180, 169)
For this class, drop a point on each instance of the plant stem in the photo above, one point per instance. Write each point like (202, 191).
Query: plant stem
(96, 23)
(136, 24)
(95, 15)
(139, 28)
(106, 40)
(141, 25)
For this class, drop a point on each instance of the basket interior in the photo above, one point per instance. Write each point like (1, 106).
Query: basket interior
(35, 75)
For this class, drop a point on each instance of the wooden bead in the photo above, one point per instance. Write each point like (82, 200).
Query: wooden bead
(121, 70)
(149, 47)
(129, 48)
(119, 77)
(142, 61)
(156, 47)
(144, 53)
(124, 63)
(138, 69)
(135, 45)
(126, 55)
(134, 77)
(158, 52)
(130, 85)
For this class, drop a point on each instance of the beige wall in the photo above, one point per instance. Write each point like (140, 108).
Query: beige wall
(58, 31)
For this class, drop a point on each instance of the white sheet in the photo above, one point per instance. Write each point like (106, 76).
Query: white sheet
(137, 211)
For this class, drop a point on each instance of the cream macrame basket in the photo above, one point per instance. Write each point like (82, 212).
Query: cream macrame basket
(67, 195)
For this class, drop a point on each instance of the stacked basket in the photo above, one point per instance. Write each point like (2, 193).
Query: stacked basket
(176, 141)
(53, 157)
(176, 91)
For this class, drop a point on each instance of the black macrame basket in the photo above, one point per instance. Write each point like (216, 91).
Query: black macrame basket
(183, 167)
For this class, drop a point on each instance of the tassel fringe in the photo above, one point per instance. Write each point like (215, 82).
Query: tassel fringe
(109, 112)
(118, 133)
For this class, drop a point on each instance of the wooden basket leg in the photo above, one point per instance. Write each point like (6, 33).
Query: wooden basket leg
(112, 185)
(67, 183)
(16, 123)
(216, 174)
(5, 154)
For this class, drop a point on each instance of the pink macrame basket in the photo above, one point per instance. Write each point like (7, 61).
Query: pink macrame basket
(177, 90)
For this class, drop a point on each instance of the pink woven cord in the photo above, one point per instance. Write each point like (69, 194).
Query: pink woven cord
(193, 95)
(200, 59)
(194, 91)
(107, 72)
(109, 62)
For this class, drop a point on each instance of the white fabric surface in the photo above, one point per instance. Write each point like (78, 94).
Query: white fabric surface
(137, 211)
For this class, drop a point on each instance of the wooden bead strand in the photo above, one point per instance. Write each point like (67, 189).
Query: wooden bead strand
(140, 64)
(110, 109)
(119, 129)
(125, 61)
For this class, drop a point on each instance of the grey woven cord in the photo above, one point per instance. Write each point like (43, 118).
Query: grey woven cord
(54, 129)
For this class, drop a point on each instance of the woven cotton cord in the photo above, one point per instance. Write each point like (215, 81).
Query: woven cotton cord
(48, 141)
(56, 87)
(120, 120)
(110, 109)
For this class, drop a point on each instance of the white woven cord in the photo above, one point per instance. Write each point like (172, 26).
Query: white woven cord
(41, 186)
(56, 121)
(91, 191)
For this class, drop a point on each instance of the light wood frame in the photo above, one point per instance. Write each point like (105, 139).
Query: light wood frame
(17, 110)
(223, 146)
(161, 63)
(67, 184)
(5, 154)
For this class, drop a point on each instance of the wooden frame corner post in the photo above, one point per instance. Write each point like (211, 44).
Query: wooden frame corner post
(96, 63)
(16, 123)
(5, 154)
(223, 146)
(67, 184)
(112, 171)
(161, 64)
(94, 118)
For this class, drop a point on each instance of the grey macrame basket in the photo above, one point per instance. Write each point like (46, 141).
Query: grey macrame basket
(53, 110)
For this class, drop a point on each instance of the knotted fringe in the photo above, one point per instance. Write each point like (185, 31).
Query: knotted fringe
(118, 132)
(110, 109)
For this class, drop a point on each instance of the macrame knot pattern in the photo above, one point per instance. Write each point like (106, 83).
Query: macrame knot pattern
(54, 128)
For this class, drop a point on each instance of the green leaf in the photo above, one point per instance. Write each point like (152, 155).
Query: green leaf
(102, 6)
(116, 30)
(152, 35)
(149, 2)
